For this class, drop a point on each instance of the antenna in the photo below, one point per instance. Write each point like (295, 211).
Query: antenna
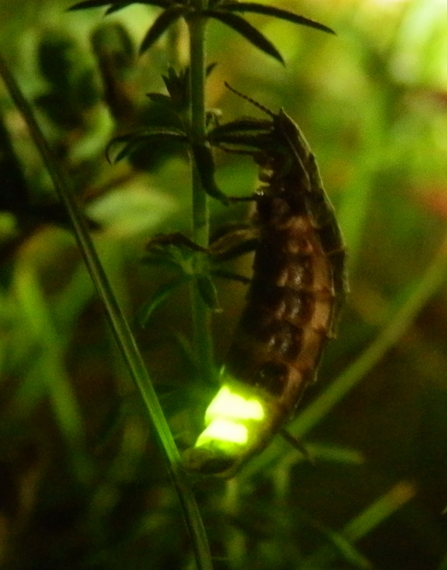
(252, 101)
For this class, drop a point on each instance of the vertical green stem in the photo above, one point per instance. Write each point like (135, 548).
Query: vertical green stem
(200, 208)
(198, 126)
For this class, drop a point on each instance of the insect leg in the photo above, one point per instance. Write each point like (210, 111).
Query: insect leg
(297, 444)
(234, 243)
(177, 238)
(203, 158)
(231, 276)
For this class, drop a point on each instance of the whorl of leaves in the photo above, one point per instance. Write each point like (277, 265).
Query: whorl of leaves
(226, 13)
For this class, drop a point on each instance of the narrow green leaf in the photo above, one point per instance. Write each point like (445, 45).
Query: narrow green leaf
(133, 140)
(203, 158)
(115, 5)
(161, 259)
(208, 292)
(209, 68)
(177, 85)
(88, 4)
(57, 386)
(159, 297)
(275, 12)
(160, 99)
(249, 32)
(177, 241)
(118, 6)
(173, 256)
(338, 547)
(231, 276)
(120, 327)
(161, 24)
(171, 133)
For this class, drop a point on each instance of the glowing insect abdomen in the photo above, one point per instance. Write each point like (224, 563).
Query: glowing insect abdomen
(297, 287)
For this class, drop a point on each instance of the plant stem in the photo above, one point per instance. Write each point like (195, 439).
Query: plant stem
(120, 328)
(200, 208)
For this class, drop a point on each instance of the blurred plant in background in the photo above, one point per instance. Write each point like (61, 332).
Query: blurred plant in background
(82, 484)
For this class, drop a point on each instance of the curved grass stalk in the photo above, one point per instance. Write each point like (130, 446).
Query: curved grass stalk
(422, 291)
(359, 527)
(48, 371)
(120, 327)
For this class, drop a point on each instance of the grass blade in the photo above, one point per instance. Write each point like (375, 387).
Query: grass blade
(120, 328)
(250, 33)
(363, 524)
(256, 8)
(421, 292)
(161, 24)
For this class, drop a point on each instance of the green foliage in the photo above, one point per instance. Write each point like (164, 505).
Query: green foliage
(219, 10)
(83, 485)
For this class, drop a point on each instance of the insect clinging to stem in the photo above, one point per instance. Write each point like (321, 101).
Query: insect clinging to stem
(293, 301)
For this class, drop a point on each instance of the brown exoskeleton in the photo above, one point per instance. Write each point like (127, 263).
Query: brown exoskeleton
(296, 290)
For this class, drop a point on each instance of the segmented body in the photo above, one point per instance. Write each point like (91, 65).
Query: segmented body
(297, 288)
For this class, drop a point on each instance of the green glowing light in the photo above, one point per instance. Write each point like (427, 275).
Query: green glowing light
(231, 421)
(235, 427)
(223, 430)
(230, 405)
